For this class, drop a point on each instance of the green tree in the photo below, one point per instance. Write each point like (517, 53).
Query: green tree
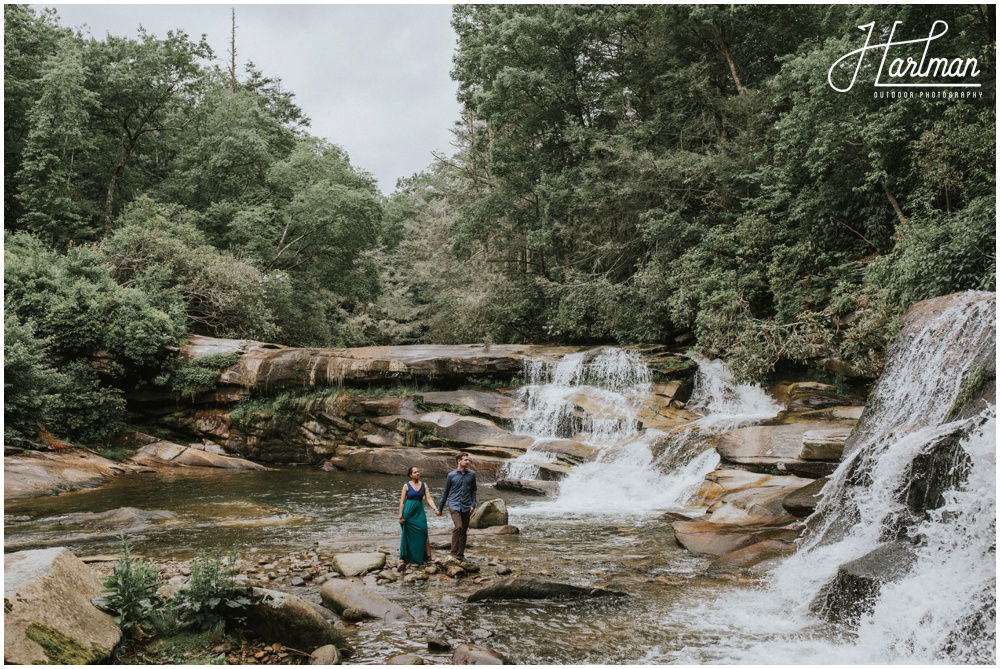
(145, 87)
(59, 141)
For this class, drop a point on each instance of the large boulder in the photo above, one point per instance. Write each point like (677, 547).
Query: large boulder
(521, 587)
(48, 614)
(492, 513)
(280, 616)
(855, 589)
(340, 595)
(35, 473)
(355, 564)
(165, 453)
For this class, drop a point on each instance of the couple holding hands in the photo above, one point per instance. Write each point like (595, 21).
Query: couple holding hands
(459, 492)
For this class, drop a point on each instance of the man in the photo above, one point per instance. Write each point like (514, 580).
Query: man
(460, 491)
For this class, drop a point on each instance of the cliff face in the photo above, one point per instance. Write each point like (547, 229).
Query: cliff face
(297, 405)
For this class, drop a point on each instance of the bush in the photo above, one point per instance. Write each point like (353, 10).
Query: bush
(212, 596)
(201, 373)
(130, 593)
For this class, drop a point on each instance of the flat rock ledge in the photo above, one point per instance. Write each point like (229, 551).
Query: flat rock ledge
(48, 615)
(39, 473)
(169, 454)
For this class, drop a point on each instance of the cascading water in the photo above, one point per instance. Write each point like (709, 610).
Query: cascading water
(943, 607)
(636, 471)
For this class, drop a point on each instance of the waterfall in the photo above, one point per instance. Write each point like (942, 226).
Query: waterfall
(637, 471)
(943, 607)
(724, 404)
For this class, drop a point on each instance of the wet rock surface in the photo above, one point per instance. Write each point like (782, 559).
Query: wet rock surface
(521, 587)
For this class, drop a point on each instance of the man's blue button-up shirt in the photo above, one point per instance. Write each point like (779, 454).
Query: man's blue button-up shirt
(459, 490)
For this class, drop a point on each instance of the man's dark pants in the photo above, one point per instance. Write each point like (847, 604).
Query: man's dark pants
(461, 531)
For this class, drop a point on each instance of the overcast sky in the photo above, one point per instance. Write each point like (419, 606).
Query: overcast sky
(373, 78)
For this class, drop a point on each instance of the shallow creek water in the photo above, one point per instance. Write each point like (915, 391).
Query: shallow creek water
(291, 509)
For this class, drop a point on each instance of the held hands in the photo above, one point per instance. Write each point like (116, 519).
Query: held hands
(437, 512)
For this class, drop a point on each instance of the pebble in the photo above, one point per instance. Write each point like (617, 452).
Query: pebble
(298, 582)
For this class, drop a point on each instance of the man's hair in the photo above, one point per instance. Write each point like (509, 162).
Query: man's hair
(460, 456)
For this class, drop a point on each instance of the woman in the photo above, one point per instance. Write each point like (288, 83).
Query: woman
(414, 546)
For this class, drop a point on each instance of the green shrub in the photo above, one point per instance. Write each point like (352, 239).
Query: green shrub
(130, 593)
(212, 595)
(201, 374)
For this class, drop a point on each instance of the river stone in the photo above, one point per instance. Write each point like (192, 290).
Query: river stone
(492, 513)
(470, 653)
(754, 559)
(806, 395)
(856, 587)
(341, 595)
(125, 519)
(529, 487)
(49, 593)
(803, 501)
(521, 587)
(354, 564)
(824, 444)
(407, 658)
(36, 473)
(290, 620)
(326, 655)
(812, 469)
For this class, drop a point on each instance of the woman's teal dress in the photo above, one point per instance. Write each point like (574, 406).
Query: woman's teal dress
(413, 544)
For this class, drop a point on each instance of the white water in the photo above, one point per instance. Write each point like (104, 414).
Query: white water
(921, 617)
(637, 471)
(724, 404)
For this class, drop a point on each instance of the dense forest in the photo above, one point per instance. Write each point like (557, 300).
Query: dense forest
(681, 175)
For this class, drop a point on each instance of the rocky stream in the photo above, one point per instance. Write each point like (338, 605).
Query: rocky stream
(636, 505)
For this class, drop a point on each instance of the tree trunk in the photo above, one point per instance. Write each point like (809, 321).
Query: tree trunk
(110, 200)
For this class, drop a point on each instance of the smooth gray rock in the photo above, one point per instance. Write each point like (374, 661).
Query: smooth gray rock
(354, 564)
(341, 595)
(51, 590)
(492, 513)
